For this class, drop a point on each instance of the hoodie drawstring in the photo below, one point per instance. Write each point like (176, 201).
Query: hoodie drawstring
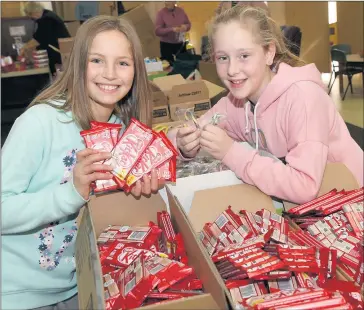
(247, 108)
(256, 127)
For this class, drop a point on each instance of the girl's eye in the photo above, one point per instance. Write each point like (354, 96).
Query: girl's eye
(244, 56)
(96, 60)
(123, 63)
(222, 58)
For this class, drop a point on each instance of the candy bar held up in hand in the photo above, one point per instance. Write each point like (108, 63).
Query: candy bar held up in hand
(130, 147)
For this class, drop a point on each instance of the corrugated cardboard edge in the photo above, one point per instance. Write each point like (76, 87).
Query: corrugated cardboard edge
(217, 288)
(337, 176)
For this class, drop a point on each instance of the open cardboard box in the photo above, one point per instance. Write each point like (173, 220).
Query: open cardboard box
(120, 209)
(160, 105)
(184, 94)
(65, 47)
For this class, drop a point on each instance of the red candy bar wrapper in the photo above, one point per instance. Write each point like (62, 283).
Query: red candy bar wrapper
(167, 242)
(337, 205)
(114, 129)
(251, 220)
(277, 222)
(319, 303)
(305, 281)
(111, 289)
(173, 294)
(100, 139)
(206, 242)
(189, 283)
(180, 250)
(240, 223)
(274, 275)
(354, 213)
(245, 290)
(295, 250)
(295, 298)
(122, 256)
(130, 147)
(269, 265)
(156, 154)
(282, 285)
(308, 205)
(167, 171)
(140, 237)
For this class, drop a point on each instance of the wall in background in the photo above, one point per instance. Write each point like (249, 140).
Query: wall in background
(315, 31)
(350, 28)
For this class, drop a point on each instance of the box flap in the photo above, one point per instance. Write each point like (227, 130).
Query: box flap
(165, 83)
(214, 89)
(337, 176)
(65, 45)
(206, 270)
(208, 204)
(103, 208)
(189, 92)
(205, 302)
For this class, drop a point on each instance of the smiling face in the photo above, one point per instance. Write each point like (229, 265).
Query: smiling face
(241, 63)
(110, 70)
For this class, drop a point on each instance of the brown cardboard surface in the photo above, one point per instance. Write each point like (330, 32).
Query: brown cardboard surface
(160, 105)
(208, 72)
(65, 45)
(144, 27)
(208, 204)
(73, 27)
(165, 83)
(337, 176)
(206, 270)
(120, 209)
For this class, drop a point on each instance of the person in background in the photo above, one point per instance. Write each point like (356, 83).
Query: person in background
(171, 24)
(277, 104)
(50, 28)
(47, 172)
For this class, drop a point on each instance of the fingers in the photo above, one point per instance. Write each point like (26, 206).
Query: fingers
(84, 153)
(96, 167)
(146, 189)
(207, 144)
(190, 146)
(154, 186)
(95, 158)
(207, 136)
(185, 131)
(98, 176)
(137, 189)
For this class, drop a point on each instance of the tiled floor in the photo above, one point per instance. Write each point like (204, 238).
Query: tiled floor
(352, 108)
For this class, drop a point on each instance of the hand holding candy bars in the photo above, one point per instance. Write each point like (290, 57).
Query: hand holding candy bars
(147, 185)
(215, 141)
(88, 169)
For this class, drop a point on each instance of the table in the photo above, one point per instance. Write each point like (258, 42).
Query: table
(352, 60)
(35, 71)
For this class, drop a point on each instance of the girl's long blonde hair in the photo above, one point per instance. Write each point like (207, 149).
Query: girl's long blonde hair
(264, 28)
(71, 85)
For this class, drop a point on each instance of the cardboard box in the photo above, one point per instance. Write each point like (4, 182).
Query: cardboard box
(184, 94)
(144, 27)
(120, 209)
(160, 105)
(65, 47)
(73, 27)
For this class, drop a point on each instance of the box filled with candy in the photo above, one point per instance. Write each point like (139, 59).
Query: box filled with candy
(132, 253)
(134, 154)
(268, 262)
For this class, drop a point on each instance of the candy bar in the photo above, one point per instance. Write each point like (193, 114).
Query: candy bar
(354, 214)
(308, 206)
(173, 295)
(114, 129)
(277, 222)
(180, 249)
(130, 147)
(167, 241)
(293, 299)
(155, 154)
(324, 302)
(337, 205)
(251, 221)
(240, 223)
(206, 242)
(167, 171)
(289, 284)
(245, 290)
(122, 256)
(274, 275)
(189, 283)
(305, 281)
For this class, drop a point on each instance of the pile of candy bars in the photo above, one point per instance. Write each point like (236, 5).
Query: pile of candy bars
(267, 264)
(145, 265)
(134, 154)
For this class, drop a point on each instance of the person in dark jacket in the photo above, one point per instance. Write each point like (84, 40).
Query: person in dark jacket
(49, 28)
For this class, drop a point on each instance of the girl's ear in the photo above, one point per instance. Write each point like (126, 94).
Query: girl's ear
(270, 53)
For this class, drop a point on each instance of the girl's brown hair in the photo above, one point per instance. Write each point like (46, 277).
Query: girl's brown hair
(262, 26)
(71, 85)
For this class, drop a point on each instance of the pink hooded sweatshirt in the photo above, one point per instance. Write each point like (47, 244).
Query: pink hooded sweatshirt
(294, 119)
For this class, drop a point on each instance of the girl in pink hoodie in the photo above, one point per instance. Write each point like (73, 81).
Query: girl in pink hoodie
(277, 104)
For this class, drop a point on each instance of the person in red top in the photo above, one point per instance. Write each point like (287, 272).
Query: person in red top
(171, 24)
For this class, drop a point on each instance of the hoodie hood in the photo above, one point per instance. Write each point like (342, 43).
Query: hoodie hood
(285, 77)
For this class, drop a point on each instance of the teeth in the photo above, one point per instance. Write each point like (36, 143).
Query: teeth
(237, 82)
(108, 87)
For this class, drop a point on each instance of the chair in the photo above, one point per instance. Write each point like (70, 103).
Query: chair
(341, 68)
(346, 48)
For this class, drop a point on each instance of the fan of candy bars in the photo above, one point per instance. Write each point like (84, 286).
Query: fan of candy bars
(145, 265)
(134, 154)
(266, 263)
